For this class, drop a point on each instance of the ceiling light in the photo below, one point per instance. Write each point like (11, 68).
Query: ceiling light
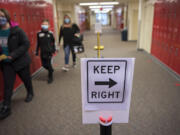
(88, 4)
(98, 3)
(101, 7)
(108, 3)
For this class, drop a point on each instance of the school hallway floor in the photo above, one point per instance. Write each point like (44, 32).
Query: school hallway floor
(56, 108)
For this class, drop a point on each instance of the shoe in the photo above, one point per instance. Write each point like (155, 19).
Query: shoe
(74, 65)
(5, 112)
(65, 69)
(29, 98)
(50, 77)
(50, 80)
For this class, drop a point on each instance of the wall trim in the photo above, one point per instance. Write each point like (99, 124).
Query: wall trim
(164, 66)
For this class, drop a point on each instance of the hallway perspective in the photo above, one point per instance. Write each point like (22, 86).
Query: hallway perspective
(56, 108)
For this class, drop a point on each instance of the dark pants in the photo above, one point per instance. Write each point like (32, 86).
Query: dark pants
(46, 63)
(9, 76)
(73, 54)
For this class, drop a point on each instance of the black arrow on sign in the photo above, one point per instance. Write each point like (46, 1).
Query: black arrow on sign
(111, 83)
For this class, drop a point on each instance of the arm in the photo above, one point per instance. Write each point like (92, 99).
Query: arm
(37, 46)
(76, 28)
(53, 43)
(61, 34)
(23, 46)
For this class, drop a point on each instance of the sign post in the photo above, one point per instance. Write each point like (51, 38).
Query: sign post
(105, 126)
(98, 47)
(106, 91)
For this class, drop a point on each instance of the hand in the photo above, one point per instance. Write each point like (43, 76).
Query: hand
(59, 44)
(3, 57)
(57, 49)
(77, 34)
(36, 53)
(9, 57)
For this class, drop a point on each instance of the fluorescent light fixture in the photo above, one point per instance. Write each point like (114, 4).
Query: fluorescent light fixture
(98, 3)
(88, 4)
(108, 3)
(101, 6)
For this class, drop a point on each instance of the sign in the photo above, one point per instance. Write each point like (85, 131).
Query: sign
(105, 81)
(106, 88)
(98, 28)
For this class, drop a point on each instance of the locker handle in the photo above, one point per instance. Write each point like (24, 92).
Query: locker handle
(171, 49)
(176, 52)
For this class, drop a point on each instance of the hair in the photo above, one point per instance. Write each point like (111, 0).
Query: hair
(45, 20)
(6, 14)
(67, 17)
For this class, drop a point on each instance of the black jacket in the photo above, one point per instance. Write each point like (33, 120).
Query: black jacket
(18, 45)
(46, 43)
(68, 33)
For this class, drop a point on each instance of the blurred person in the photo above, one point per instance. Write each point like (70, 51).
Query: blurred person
(14, 59)
(68, 31)
(46, 44)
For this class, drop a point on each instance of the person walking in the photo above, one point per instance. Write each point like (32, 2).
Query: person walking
(67, 31)
(46, 44)
(14, 60)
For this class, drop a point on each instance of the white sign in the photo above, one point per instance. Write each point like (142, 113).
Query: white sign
(98, 28)
(106, 88)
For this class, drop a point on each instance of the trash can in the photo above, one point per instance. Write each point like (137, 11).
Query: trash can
(124, 35)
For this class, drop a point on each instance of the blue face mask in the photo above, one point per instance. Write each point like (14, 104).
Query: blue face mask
(67, 20)
(3, 21)
(44, 27)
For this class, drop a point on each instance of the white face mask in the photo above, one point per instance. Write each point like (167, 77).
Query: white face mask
(67, 20)
(3, 21)
(44, 27)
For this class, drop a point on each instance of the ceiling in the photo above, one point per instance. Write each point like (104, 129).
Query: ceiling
(79, 1)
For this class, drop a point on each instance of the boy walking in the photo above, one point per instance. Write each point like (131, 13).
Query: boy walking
(46, 44)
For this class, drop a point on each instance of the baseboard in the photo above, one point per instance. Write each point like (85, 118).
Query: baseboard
(164, 66)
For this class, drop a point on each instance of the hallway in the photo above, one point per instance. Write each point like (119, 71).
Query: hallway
(56, 108)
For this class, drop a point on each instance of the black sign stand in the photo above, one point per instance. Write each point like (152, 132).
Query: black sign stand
(105, 126)
(105, 130)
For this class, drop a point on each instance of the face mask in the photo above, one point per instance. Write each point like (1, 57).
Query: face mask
(67, 20)
(3, 21)
(44, 27)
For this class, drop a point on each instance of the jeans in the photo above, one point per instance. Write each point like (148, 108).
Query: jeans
(67, 50)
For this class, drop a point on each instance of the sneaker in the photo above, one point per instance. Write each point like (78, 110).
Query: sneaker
(65, 69)
(74, 65)
(4, 112)
(50, 80)
(29, 98)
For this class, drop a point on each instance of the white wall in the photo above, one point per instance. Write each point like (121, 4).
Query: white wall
(92, 20)
(63, 9)
(132, 21)
(55, 21)
(146, 26)
(113, 19)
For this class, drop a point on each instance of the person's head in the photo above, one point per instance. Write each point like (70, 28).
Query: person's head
(4, 18)
(45, 25)
(67, 19)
